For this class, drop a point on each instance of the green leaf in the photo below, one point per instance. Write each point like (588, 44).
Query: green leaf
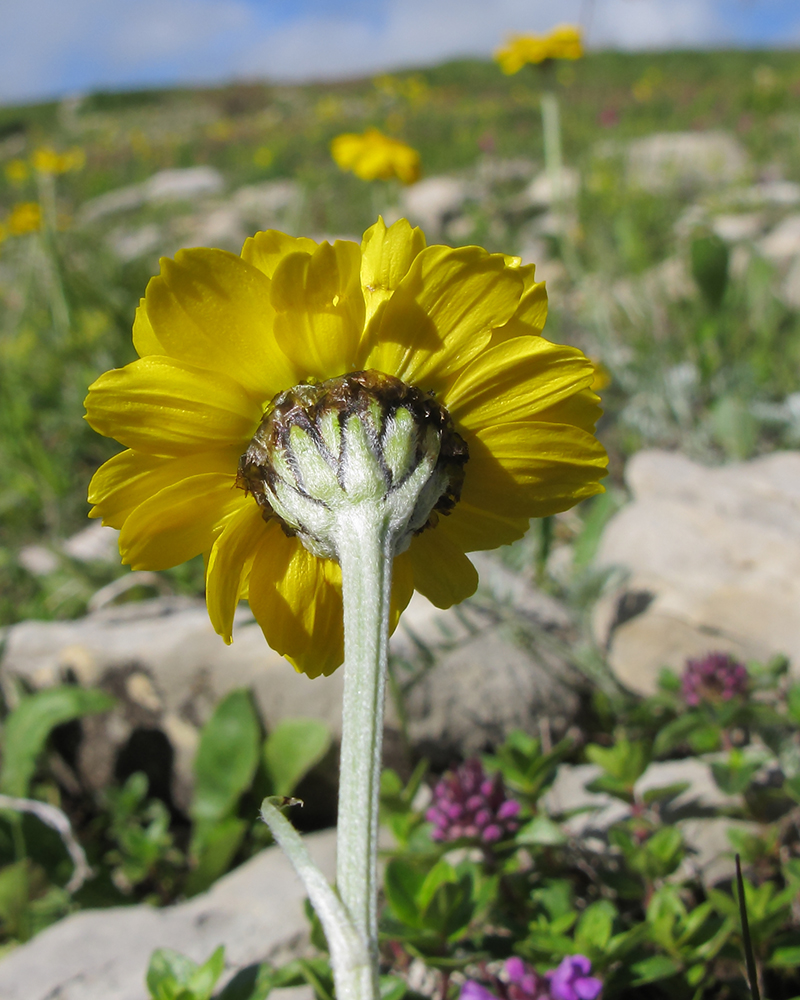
(541, 831)
(15, 889)
(665, 793)
(226, 758)
(734, 775)
(441, 873)
(202, 982)
(392, 988)
(625, 761)
(709, 259)
(213, 850)
(172, 976)
(402, 883)
(785, 958)
(290, 751)
(793, 703)
(168, 973)
(705, 739)
(29, 725)
(595, 925)
(677, 732)
(651, 970)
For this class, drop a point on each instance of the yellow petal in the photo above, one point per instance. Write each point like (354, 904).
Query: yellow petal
(441, 315)
(265, 250)
(320, 308)
(402, 588)
(478, 529)
(145, 341)
(130, 478)
(180, 521)
(212, 309)
(231, 561)
(441, 570)
(297, 600)
(162, 406)
(531, 469)
(386, 256)
(530, 317)
(516, 379)
(582, 409)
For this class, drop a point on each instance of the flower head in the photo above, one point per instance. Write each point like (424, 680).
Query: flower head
(25, 217)
(524, 983)
(47, 161)
(716, 677)
(447, 340)
(17, 171)
(468, 803)
(563, 42)
(374, 156)
(571, 980)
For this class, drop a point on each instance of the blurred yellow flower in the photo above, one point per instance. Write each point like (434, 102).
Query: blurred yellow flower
(374, 156)
(26, 217)
(3, 232)
(602, 376)
(263, 156)
(563, 42)
(17, 171)
(47, 161)
(222, 338)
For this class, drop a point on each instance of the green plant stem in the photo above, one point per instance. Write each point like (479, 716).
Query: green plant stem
(364, 547)
(551, 129)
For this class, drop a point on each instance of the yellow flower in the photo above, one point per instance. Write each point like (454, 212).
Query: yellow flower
(26, 217)
(563, 42)
(374, 156)
(602, 376)
(17, 171)
(47, 161)
(220, 336)
(3, 232)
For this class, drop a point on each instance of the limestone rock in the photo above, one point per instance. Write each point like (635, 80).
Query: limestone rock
(685, 161)
(167, 669)
(711, 558)
(256, 911)
(432, 201)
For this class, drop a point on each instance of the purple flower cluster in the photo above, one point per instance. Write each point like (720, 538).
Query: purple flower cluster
(570, 981)
(468, 803)
(716, 677)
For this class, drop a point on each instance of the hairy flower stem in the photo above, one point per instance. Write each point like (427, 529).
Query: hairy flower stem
(365, 554)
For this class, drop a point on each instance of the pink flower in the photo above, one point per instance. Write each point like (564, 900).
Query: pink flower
(468, 804)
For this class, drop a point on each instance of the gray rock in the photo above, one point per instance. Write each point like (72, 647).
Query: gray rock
(685, 161)
(784, 240)
(742, 226)
(430, 202)
(712, 562)
(473, 673)
(167, 670)
(167, 648)
(540, 192)
(711, 854)
(183, 184)
(256, 911)
(167, 185)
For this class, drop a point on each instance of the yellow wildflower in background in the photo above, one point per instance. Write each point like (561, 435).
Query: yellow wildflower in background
(17, 171)
(3, 232)
(47, 161)
(220, 336)
(26, 217)
(563, 42)
(374, 156)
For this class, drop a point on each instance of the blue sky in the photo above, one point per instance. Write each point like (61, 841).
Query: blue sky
(55, 47)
